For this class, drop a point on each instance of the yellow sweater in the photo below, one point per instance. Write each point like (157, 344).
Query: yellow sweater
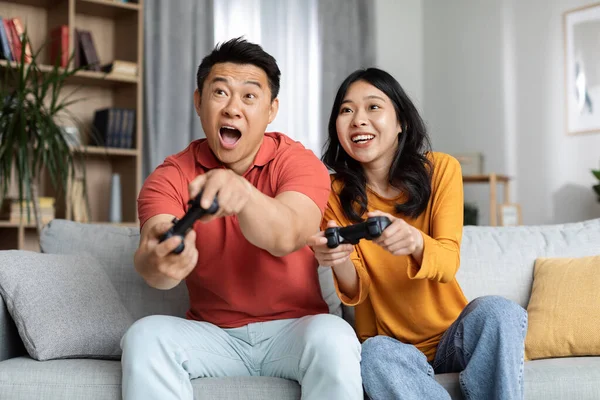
(397, 297)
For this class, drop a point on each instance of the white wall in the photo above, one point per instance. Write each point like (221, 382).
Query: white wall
(493, 82)
(399, 39)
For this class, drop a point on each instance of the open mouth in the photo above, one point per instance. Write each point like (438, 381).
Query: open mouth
(229, 136)
(362, 138)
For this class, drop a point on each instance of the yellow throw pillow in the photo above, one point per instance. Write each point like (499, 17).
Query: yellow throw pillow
(564, 308)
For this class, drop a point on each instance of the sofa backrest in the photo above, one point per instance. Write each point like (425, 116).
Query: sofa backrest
(494, 260)
(500, 260)
(114, 247)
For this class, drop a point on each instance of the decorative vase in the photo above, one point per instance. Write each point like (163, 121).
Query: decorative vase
(115, 214)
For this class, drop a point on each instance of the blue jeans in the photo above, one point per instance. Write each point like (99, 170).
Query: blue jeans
(485, 344)
(161, 354)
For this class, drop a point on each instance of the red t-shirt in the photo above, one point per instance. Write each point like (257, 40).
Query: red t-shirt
(234, 282)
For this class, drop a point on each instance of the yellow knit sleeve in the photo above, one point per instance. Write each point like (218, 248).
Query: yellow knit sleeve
(441, 251)
(335, 212)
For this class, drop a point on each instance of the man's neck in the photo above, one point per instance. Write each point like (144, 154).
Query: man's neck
(242, 166)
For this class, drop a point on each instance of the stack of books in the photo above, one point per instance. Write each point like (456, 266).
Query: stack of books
(16, 211)
(115, 127)
(11, 32)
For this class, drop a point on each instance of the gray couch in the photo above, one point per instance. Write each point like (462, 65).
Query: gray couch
(494, 261)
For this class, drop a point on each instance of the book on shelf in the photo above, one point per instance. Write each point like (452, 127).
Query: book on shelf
(79, 202)
(115, 127)
(59, 46)
(21, 211)
(88, 55)
(5, 47)
(121, 67)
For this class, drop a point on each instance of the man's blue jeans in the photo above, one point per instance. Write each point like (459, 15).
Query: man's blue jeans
(485, 344)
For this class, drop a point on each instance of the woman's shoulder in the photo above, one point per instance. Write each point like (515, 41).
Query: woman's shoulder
(446, 169)
(443, 162)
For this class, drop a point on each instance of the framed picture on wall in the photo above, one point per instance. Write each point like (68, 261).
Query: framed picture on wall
(582, 69)
(510, 215)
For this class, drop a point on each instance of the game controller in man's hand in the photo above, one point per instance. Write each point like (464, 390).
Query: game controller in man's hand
(183, 225)
(370, 229)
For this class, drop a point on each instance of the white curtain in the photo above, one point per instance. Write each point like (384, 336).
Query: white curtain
(288, 30)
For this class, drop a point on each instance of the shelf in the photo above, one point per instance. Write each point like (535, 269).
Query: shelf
(8, 224)
(109, 151)
(86, 77)
(34, 3)
(484, 178)
(105, 8)
(121, 224)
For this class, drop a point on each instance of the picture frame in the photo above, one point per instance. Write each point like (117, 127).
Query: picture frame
(510, 214)
(582, 69)
(470, 163)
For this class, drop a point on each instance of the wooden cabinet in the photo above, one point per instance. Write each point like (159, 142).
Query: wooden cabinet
(117, 31)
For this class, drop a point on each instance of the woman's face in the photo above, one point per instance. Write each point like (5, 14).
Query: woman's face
(367, 125)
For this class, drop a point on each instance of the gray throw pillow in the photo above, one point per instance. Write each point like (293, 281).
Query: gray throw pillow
(64, 306)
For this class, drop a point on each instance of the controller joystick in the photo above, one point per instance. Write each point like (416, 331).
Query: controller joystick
(182, 226)
(370, 229)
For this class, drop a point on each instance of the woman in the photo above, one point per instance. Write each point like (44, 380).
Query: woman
(411, 314)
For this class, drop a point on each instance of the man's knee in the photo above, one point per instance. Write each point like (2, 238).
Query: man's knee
(144, 335)
(333, 340)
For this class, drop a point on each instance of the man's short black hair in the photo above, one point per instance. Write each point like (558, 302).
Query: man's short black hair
(240, 51)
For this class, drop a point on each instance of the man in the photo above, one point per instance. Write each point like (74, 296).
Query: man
(255, 301)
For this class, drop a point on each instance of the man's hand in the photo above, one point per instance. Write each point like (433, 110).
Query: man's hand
(233, 190)
(155, 261)
(400, 238)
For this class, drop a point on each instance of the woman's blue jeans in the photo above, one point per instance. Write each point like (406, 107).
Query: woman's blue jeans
(485, 344)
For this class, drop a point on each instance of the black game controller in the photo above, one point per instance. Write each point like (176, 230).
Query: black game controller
(183, 225)
(370, 229)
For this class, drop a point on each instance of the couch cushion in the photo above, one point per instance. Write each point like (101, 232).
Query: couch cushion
(559, 378)
(500, 260)
(114, 247)
(63, 305)
(563, 378)
(564, 308)
(25, 379)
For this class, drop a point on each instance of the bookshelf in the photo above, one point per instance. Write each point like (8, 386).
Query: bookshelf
(117, 31)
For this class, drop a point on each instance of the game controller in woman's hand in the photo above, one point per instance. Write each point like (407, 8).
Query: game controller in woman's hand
(371, 229)
(183, 225)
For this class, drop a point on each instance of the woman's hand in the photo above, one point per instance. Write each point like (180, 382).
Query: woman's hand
(338, 259)
(400, 238)
(326, 256)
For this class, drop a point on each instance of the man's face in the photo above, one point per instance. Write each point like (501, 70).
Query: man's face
(235, 108)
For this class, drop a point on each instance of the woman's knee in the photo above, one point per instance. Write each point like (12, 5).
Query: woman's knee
(499, 311)
(379, 351)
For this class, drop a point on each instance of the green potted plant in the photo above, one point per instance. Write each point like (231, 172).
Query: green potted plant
(596, 187)
(471, 214)
(33, 107)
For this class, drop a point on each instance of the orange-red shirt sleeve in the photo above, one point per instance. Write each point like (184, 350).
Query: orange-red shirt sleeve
(163, 192)
(301, 171)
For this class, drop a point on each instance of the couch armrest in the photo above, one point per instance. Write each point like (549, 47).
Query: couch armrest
(10, 342)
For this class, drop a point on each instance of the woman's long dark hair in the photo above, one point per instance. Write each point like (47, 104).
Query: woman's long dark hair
(411, 169)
